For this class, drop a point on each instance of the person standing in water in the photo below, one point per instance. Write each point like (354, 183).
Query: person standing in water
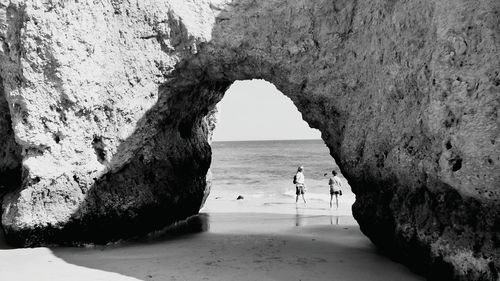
(335, 188)
(300, 184)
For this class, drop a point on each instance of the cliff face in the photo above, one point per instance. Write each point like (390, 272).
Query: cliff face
(103, 156)
(406, 95)
(111, 104)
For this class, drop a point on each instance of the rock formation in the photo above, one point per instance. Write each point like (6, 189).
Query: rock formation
(108, 150)
(111, 107)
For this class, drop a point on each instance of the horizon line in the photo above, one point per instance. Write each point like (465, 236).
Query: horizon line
(264, 140)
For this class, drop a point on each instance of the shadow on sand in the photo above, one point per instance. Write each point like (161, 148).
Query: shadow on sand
(255, 252)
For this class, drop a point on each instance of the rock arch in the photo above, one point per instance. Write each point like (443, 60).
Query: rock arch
(109, 104)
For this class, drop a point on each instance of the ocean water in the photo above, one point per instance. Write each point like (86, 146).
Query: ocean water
(265, 169)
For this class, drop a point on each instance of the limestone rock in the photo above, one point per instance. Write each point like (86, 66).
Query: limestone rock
(110, 103)
(85, 83)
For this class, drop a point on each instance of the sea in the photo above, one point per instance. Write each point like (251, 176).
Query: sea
(265, 169)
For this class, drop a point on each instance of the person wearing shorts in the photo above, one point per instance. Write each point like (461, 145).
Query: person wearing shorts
(300, 185)
(335, 185)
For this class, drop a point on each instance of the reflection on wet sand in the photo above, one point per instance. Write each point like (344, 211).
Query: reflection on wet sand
(301, 219)
(336, 220)
(298, 217)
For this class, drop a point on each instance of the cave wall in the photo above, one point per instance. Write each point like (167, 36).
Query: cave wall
(111, 104)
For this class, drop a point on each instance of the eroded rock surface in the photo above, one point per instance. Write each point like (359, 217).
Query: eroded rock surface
(111, 104)
(103, 155)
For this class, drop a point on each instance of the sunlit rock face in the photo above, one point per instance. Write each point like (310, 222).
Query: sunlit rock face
(108, 147)
(111, 106)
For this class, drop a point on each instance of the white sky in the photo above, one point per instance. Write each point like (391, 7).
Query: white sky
(256, 110)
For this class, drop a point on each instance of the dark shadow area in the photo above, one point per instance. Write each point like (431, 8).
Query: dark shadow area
(10, 152)
(182, 229)
(3, 242)
(179, 230)
(256, 252)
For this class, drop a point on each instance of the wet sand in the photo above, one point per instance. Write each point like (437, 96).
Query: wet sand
(279, 241)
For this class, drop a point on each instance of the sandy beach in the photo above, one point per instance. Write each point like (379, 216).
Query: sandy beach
(255, 241)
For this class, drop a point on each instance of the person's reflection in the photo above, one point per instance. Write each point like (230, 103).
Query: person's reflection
(336, 220)
(298, 217)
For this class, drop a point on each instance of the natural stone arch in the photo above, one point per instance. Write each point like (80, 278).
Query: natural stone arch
(398, 90)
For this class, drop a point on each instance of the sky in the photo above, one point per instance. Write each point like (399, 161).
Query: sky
(256, 110)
